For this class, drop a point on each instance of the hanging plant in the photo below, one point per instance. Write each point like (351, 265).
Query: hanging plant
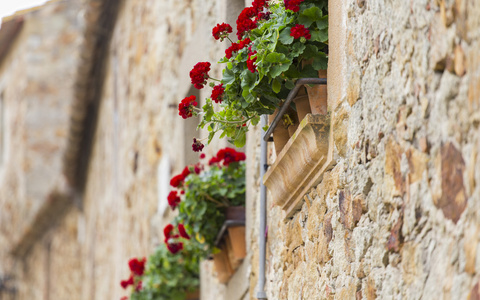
(274, 42)
(203, 191)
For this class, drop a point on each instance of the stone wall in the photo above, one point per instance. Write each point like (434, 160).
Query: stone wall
(36, 79)
(397, 217)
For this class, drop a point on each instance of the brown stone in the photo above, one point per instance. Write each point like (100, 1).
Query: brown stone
(475, 292)
(393, 153)
(409, 262)
(340, 131)
(417, 163)
(452, 199)
(473, 70)
(470, 247)
(327, 227)
(353, 88)
(395, 239)
(350, 210)
(371, 291)
(459, 61)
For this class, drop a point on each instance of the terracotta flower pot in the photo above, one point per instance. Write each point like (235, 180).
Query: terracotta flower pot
(236, 234)
(302, 104)
(222, 265)
(280, 133)
(317, 95)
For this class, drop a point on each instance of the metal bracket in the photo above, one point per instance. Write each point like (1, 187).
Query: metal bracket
(293, 93)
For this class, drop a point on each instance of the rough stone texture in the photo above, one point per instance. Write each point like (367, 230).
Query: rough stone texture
(397, 217)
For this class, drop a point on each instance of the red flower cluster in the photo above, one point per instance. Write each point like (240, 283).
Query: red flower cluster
(236, 47)
(174, 246)
(293, 5)
(137, 268)
(251, 62)
(221, 31)
(299, 30)
(199, 74)
(228, 156)
(178, 179)
(173, 199)
(197, 146)
(126, 283)
(217, 95)
(186, 107)
(244, 20)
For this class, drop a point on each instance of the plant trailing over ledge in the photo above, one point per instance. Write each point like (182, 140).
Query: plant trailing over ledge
(275, 40)
(202, 192)
(167, 276)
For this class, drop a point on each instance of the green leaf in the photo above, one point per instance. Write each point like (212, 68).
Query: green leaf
(310, 15)
(308, 72)
(322, 23)
(276, 86)
(228, 76)
(289, 84)
(285, 37)
(320, 62)
(319, 35)
(297, 49)
(278, 69)
(276, 57)
(241, 139)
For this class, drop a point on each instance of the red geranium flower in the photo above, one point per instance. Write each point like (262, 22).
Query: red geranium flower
(202, 156)
(199, 74)
(174, 247)
(251, 62)
(173, 199)
(245, 22)
(137, 266)
(197, 146)
(177, 180)
(221, 31)
(293, 5)
(167, 231)
(217, 93)
(183, 233)
(126, 283)
(186, 107)
(124, 298)
(299, 30)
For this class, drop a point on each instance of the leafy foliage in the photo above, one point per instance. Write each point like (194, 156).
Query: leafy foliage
(279, 61)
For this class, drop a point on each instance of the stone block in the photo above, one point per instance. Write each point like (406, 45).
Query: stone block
(451, 198)
(350, 210)
(393, 155)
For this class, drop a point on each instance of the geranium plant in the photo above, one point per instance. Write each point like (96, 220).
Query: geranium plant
(167, 276)
(201, 193)
(277, 44)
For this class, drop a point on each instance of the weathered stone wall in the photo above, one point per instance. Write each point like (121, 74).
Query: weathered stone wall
(397, 217)
(36, 79)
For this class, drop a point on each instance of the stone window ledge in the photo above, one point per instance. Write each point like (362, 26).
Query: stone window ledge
(301, 163)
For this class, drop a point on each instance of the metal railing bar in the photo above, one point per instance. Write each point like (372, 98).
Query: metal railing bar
(293, 93)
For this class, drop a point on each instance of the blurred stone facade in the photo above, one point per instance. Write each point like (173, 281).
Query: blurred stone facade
(91, 134)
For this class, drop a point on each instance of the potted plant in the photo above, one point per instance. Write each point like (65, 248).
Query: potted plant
(206, 195)
(166, 275)
(278, 43)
